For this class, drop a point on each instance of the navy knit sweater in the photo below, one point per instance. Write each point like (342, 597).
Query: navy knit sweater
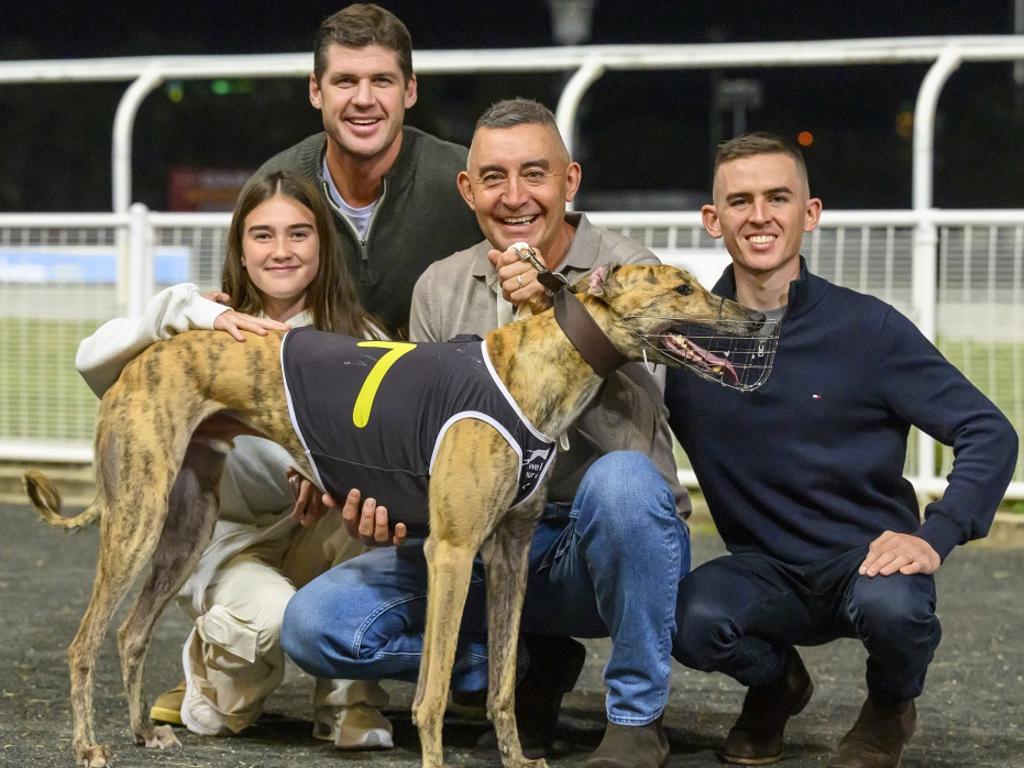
(811, 463)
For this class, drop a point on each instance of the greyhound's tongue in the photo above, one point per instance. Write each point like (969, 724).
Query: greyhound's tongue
(712, 360)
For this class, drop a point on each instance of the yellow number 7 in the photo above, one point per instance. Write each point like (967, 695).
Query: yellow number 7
(364, 400)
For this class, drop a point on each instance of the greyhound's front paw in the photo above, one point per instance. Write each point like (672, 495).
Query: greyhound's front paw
(93, 755)
(524, 762)
(161, 737)
(514, 758)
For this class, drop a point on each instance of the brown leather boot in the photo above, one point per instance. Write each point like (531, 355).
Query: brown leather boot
(878, 737)
(757, 736)
(631, 746)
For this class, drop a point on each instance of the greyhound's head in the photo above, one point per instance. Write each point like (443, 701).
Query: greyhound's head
(662, 314)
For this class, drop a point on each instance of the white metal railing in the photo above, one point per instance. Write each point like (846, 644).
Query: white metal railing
(906, 257)
(46, 412)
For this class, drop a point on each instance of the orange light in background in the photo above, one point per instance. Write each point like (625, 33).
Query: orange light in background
(805, 138)
(905, 123)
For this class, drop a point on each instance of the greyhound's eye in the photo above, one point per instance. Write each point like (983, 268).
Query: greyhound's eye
(684, 290)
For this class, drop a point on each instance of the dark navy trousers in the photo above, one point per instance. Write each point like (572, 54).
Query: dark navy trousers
(740, 613)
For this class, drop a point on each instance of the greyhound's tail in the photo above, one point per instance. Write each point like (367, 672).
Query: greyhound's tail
(46, 500)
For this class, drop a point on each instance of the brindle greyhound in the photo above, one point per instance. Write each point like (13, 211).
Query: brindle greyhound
(157, 486)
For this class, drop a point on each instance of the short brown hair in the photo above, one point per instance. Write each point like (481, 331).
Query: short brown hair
(358, 26)
(331, 297)
(759, 143)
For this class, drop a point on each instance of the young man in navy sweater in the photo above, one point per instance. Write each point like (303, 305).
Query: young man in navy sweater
(804, 478)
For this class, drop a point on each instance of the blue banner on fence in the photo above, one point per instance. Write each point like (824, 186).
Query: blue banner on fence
(88, 265)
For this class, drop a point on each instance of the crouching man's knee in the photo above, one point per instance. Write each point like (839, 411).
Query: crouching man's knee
(895, 612)
(234, 644)
(623, 501)
(705, 637)
(304, 636)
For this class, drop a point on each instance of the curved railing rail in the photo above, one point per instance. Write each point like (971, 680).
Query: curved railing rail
(586, 63)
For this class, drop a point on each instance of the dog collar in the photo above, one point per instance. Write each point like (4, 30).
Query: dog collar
(585, 334)
(574, 320)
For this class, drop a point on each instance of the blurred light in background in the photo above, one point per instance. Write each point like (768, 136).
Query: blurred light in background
(175, 90)
(905, 123)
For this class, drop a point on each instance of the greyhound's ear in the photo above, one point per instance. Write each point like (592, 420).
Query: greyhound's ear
(600, 282)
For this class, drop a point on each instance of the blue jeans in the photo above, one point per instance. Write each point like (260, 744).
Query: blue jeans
(740, 613)
(608, 566)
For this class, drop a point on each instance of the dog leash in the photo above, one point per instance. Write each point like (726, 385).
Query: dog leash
(574, 320)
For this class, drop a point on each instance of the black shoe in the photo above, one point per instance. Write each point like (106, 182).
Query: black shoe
(757, 736)
(552, 671)
(631, 746)
(878, 737)
(468, 705)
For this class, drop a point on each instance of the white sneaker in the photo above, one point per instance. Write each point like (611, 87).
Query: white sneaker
(196, 709)
(199, 713)
(357, 726)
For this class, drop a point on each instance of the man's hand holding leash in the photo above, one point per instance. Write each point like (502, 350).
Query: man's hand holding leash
(519, 279)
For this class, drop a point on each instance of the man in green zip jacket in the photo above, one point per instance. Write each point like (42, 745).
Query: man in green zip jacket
(391, 187)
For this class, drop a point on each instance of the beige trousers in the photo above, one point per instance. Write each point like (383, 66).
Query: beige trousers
(233, 658)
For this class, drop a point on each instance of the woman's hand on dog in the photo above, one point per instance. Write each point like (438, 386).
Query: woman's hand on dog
(235, 322)
(369, 524)
(309, 505)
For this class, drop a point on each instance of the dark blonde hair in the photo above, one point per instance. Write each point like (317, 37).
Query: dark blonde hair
(358, 26)
(331, 298)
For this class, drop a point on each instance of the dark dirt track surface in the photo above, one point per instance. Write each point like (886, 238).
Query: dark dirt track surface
(972, 712)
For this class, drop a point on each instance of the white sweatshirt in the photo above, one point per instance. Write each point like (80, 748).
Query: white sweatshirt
(254, 495)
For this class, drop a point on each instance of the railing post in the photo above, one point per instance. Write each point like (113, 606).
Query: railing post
(924, 271)
(121, 169)
(140, 279)
(124, 123)
(923, 295)
(569, 102)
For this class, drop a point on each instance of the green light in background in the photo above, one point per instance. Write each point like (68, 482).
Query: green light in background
(221, 87)
(175, 90)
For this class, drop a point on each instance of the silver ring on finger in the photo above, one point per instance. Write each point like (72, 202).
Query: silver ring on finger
(519, 280)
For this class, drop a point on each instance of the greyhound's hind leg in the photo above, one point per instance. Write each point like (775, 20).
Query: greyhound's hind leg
(107, 593)
(130, 523)
(506, 555)
(192, 512)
